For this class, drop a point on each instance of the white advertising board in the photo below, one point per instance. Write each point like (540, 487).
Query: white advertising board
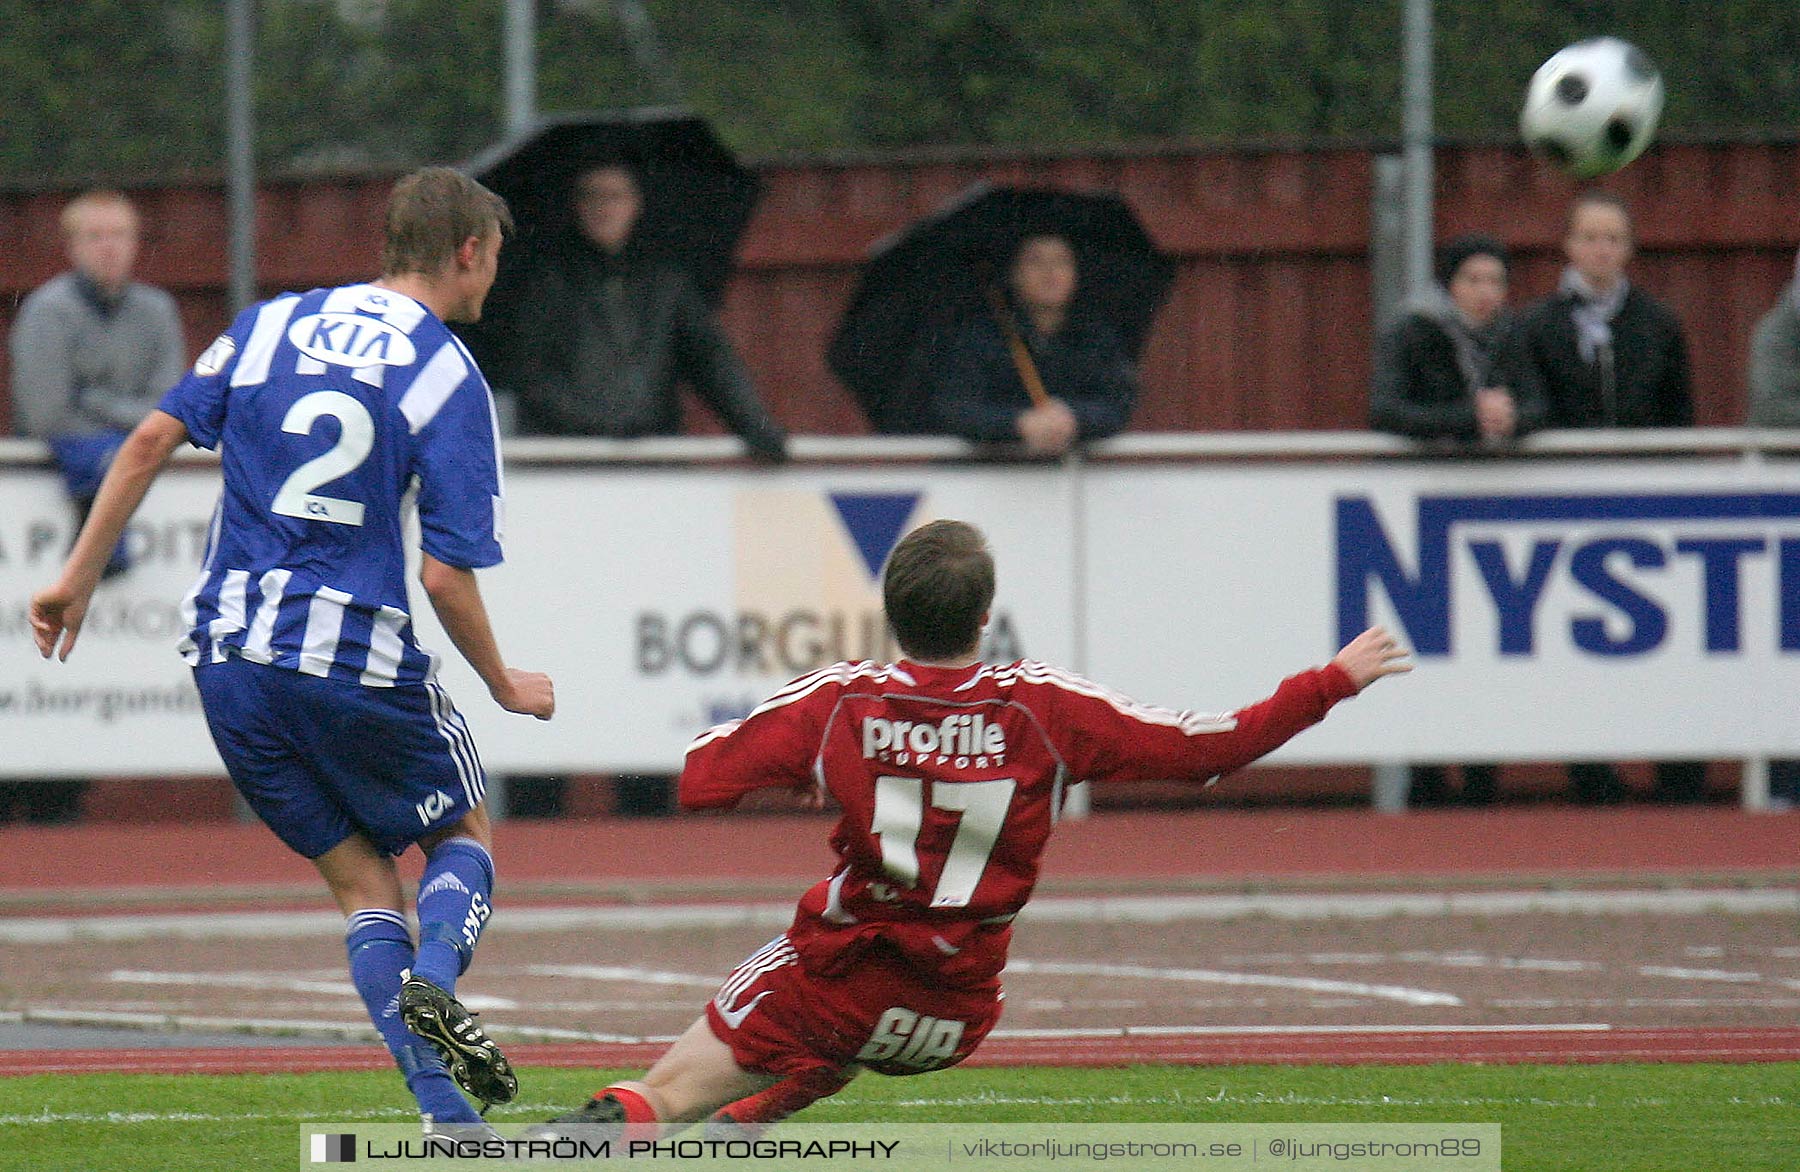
(1561, 609)
(1558, 610)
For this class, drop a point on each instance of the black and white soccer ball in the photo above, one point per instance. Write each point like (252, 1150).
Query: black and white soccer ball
(1592, 108)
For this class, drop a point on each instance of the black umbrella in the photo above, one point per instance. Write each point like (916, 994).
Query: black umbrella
(697, 196)
(922, 280)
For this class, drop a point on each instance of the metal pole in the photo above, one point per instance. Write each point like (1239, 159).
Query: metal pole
(240, 151)
(647, 50)
(521, 65)
(1388, 239)
(1416, 136)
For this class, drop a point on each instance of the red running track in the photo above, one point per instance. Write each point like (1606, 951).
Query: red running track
(1295, 845)
(1397, 1048)
(1194, 845)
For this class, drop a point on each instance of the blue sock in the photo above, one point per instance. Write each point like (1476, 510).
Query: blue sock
(454, 906)
(379, 947)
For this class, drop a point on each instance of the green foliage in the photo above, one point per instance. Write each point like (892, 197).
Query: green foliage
(109, 88)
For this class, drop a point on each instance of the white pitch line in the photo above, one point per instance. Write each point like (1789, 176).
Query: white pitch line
(370, 1115)
(283, 1027)
(476, 1001)
(1686, 974)
(234, 980)
(1400, 993)
(637, 976)
(1295, 1030)
(362, 1031)
(1125, 909)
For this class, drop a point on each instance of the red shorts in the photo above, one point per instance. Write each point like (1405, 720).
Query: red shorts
(883, 1014)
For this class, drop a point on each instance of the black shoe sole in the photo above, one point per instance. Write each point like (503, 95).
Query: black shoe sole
(477, 1066)
(597, 1119)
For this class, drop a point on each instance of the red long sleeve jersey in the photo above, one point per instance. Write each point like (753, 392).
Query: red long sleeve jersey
(950, 779)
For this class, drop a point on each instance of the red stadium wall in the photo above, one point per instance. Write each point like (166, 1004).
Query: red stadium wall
(1268, 325)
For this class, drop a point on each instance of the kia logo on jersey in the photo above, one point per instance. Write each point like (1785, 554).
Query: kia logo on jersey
(351, 339)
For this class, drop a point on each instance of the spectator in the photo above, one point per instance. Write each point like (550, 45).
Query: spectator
(92, 349)
(92, 352)
(1439, 376)
(1439, 372)
(1603, 353)
(604, 334)
(595, 338)
(1775, 402)
(1037, 371)
(1775, 361)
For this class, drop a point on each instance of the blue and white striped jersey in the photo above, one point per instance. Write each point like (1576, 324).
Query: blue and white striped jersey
(329, 408)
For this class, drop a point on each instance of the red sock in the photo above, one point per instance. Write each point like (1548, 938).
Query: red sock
(786, 1097)
(640, 1116)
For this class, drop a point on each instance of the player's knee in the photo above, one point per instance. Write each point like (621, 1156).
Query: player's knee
(463, 846)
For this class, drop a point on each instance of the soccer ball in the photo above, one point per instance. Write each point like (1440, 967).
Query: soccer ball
(1592, 107)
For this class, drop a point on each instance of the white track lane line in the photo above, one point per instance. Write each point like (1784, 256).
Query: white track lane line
(1131, 910)
(636, 976)
(1400, 993)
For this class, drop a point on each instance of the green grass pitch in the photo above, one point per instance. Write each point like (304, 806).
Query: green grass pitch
(1620, 1118)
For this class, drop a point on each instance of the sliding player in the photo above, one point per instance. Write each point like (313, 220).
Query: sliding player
(950, 773)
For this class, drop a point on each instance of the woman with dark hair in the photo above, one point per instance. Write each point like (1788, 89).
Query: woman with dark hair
(1034, 371)
(1440, 371)
(1440, 374)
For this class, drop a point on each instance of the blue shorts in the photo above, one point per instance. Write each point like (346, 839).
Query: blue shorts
(321, 759)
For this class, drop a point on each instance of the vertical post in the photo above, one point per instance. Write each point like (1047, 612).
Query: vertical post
(1390, 777)
(1389, 782)
(240, 151)
(1754, 791)
(521, 66)
(647, 50)
(1416, 136)
(1078, 800)
(1388, 243)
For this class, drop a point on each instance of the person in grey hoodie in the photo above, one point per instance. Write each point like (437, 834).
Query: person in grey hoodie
(1775, 361)
(93, 350)
(1775, 402)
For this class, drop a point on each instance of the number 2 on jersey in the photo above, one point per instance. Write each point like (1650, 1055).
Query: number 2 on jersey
(356, 437)
(900, 814)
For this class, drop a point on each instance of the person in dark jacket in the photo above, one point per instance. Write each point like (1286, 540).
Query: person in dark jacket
(1440, 375)
(1440, 372)
(1600, 350)
(595, 337)
(977, 387)
(603, 336)
(1606, 354)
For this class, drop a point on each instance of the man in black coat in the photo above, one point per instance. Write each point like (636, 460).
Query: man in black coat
(1606, 354)
(1600, 350)
(600, 336)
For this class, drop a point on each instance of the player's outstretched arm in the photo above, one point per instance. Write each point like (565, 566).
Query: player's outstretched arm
(57, 613)
(456, 598)
(1371, 655)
